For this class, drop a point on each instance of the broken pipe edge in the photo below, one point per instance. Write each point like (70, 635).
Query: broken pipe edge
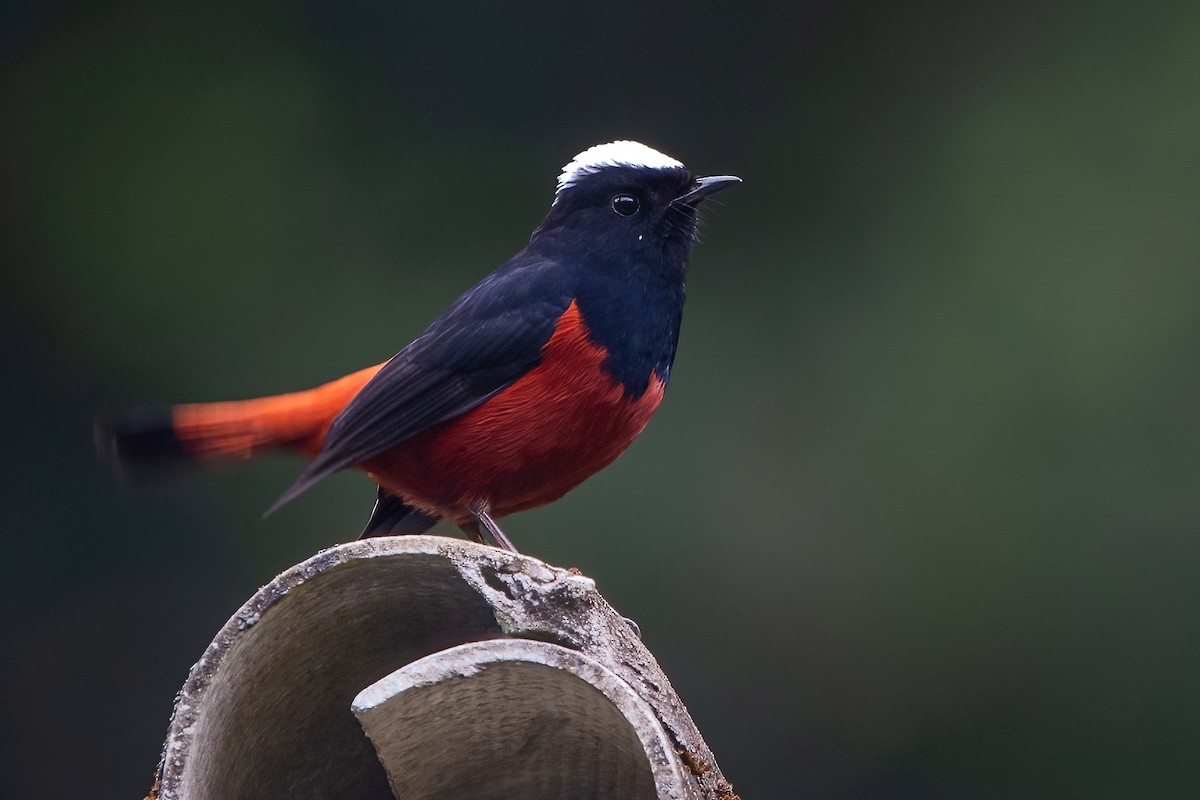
(414, 630)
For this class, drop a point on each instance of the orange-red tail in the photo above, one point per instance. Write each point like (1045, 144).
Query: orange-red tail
(242, 428)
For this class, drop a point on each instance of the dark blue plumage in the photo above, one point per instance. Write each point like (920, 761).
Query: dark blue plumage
(626, 274)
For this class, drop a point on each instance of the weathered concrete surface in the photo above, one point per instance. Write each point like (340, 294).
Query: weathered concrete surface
(266, 712)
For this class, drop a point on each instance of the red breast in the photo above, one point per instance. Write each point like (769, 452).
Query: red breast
(531, 443)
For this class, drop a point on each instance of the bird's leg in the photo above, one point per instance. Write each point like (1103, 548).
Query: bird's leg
(472, 529)
(482, 519)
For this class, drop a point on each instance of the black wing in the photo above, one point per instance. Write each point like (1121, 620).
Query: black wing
(487, 339)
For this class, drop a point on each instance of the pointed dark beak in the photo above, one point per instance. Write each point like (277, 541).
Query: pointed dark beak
(703, 187)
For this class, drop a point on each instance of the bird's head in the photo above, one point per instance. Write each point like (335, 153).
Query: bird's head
(626, 197)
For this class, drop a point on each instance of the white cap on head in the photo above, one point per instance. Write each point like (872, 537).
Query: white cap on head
(622, 153)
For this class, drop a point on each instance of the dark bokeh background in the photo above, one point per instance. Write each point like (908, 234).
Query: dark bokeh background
(919, 516)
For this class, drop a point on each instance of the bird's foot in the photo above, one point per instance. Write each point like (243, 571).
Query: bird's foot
(482, 527)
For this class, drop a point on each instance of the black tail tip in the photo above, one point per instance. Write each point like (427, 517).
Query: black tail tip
(137, 441)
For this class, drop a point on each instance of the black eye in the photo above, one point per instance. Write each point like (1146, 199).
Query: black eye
(626, 205)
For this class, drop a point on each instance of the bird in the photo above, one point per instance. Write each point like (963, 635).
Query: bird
(535, 378)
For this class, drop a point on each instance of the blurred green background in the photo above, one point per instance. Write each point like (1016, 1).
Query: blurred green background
(919, 516)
